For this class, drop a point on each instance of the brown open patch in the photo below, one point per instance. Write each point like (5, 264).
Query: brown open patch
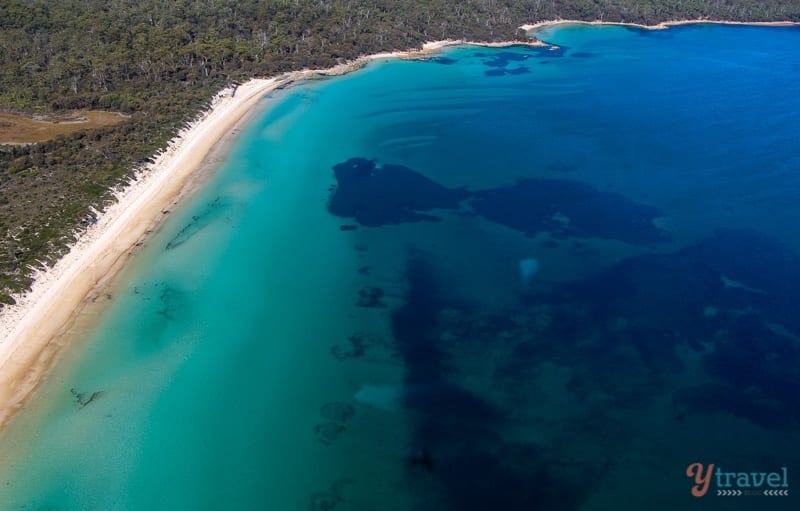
(20, 129)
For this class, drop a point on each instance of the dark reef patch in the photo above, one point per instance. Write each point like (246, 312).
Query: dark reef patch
(700, 288)
(756, 376)
(212, 210)
(732, 296)
(503, 59)
(357, 346)
(567, 208)
(389, 194)
(336, 414)
(414, 324)
(83, 399)
(170, 300)
(370, 297)
(447, 61)
(499, 63)
(615, 346)
(519, 70)
(460, 433)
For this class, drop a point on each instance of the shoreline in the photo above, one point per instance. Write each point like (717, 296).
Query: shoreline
(34, 331)
(663, 25)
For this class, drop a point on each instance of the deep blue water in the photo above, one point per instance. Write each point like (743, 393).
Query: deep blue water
(539, 279)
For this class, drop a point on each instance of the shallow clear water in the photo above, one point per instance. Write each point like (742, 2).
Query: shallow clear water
(498, 279)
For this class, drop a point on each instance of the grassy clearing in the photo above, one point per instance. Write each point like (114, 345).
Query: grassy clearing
(21, 129)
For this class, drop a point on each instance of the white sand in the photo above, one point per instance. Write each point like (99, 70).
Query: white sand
(658, 26)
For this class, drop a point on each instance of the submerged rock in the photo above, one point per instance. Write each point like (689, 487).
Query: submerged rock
(392, 194)
(83, 399)
(389, 194)
(199, 222)
(356, 347)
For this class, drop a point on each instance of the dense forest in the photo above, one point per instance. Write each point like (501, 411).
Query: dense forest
(162, 60)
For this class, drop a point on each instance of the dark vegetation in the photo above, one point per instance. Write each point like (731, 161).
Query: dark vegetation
(162, 60)
(392, 194)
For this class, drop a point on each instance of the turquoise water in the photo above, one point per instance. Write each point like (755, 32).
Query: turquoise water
(499, 279)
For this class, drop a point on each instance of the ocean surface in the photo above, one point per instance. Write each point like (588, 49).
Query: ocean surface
(498, 279)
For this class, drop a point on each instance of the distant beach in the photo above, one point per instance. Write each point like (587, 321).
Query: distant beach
(658, 26)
